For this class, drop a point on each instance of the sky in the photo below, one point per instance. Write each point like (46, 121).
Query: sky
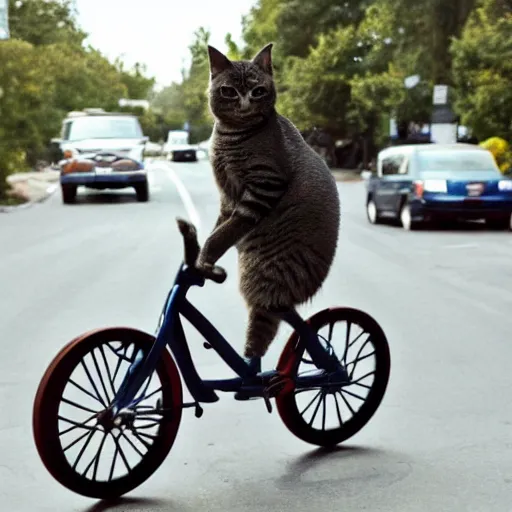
(158, 32)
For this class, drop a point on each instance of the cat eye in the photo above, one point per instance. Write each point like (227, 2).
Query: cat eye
(258, 92)
(228, 92)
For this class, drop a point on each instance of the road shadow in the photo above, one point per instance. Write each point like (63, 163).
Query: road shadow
(343, 469)
(447, 227)
(135, 504)
(103, 198)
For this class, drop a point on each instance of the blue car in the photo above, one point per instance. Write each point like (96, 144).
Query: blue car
(420, 183)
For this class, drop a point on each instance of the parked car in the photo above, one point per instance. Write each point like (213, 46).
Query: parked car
(102, 150)
(421, 183)
(177, 147)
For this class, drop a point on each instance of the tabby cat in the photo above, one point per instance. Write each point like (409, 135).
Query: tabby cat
(279, 202)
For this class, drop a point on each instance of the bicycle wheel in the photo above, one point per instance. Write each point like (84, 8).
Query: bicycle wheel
(82, 450)
(353, 403)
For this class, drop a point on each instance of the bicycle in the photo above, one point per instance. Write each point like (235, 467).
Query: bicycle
(127, 413)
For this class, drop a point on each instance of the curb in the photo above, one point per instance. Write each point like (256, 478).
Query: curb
(50, 190)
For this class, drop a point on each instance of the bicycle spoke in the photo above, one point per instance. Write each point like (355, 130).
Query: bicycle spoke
(95, 460)
(82, 362)
(357, 338)
(131, 443)
(111, 381)
(139, 438)
(347, 403)
(78, 406)
(338, 409)
(114, 458)
(148, 436)
(120, 360)
(311, 403)
(324, 400)
(141, 396)
(331, 329)
(84, 447)
(153, 393)
(352, 394)
(358, 360)
(123, 456)
(316, 410)
(107, 396)
(76, 425)
(88, 393)
(347, 343)
(77, 440)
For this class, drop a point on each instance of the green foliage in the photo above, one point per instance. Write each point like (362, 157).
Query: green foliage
(45, 72)
(482, 68)
(42, 22)
(26, 94)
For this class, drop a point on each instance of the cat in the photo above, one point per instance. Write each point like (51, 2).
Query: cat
(279, 204)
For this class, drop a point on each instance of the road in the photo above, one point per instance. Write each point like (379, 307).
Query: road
(440, 441)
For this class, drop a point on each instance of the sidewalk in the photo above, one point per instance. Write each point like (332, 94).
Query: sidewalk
(346, 175)
(32, 187)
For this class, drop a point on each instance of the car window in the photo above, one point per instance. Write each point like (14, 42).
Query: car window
(102, 127)
(456, 164)
(392, 164)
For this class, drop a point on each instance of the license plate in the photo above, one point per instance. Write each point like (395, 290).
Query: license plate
(103, 170)
(475, 189)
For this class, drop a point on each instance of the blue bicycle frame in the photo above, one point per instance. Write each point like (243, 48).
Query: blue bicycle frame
(170, 332)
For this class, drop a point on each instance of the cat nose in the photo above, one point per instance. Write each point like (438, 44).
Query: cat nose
(244, 103)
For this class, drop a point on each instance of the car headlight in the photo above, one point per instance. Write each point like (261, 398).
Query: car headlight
(137, 153)
(126, 165)
(505, 185)
(435, 186)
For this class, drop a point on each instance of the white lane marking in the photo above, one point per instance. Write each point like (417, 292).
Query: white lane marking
(192, 212)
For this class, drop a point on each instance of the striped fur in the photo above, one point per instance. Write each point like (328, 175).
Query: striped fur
(279, 201)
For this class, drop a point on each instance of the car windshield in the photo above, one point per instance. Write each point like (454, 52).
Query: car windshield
(456, 164)
(102, 127)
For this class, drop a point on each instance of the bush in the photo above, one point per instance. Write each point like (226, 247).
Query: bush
(501, 151)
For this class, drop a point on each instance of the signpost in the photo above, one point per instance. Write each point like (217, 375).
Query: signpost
(444, 120)
(124, 102)
(4, 20)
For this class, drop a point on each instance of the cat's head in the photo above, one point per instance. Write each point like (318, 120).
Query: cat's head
(241, 92)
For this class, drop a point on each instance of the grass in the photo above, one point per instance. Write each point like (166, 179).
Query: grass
(11, 200)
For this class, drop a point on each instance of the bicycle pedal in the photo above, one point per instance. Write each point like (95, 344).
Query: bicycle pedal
(266, 398)
(277, 384)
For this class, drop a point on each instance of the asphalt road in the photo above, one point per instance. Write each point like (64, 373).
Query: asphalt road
(440, 441)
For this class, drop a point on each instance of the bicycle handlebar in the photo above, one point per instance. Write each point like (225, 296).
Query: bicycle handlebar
(192, 249)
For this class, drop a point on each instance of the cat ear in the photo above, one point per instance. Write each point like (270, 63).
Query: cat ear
(264, 58)
(218, 61)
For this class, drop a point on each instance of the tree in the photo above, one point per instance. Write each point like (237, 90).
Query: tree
(194, 88)
(138, 85)
(26, 94)
(41, 22)
(482, 69)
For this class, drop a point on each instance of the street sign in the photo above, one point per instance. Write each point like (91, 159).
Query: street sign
(440, 95)
(4, 20)
(124, 102)
(186, 126)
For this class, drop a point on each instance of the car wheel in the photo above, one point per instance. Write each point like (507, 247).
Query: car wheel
(68, 193)
(372, 213)
(406, 218)
(142, 191)
(501, 224)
